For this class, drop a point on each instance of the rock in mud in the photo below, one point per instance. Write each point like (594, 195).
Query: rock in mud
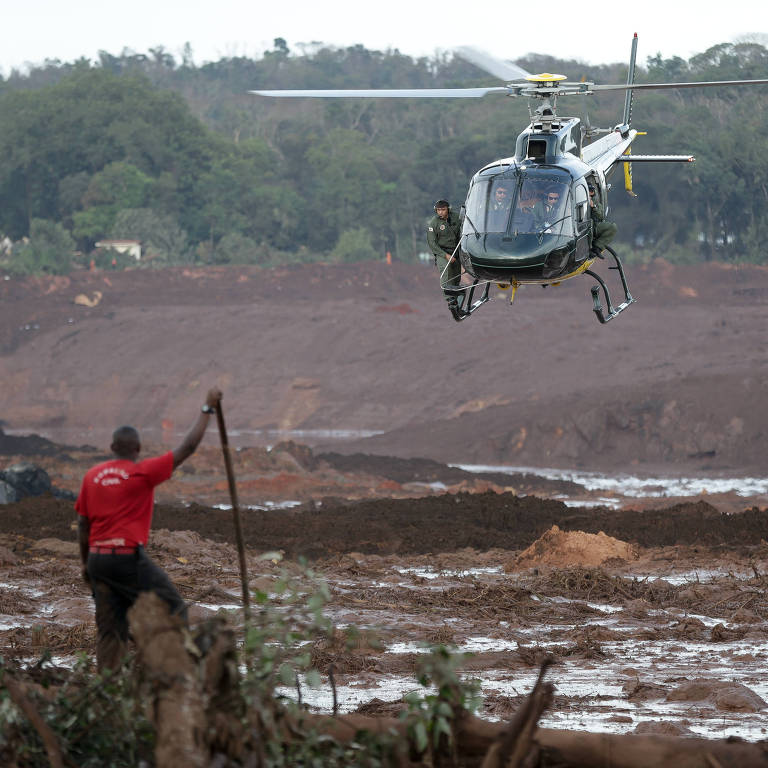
(727, 696)
(636, 690)
(26, 480)
(8, 493)
(7, 557)
(663, 728)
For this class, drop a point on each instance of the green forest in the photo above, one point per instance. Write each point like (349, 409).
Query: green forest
(181, 157)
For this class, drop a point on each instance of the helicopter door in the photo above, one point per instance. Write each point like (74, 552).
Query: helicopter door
(582, 220)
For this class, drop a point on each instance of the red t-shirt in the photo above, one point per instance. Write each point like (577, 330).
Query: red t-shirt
(117, 498)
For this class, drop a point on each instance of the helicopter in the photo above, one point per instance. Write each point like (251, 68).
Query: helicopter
(527, 240)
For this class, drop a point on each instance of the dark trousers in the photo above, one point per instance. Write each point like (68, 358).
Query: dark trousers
(605, 231)
(450, 275)
(117, 581)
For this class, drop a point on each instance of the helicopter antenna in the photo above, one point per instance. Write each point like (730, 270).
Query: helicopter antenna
(630, 81)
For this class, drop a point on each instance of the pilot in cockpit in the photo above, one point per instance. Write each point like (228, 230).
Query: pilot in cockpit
(547, 211)
(499, 208)
(501, 199)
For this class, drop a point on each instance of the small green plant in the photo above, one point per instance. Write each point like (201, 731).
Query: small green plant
(287, 620)
(98, 719)
(104, 720)
(431, 715)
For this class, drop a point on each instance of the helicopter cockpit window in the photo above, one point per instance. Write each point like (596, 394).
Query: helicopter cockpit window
(542, 204)
(489, 204)
(520, 205)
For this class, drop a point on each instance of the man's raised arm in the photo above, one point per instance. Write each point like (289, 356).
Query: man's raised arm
(189, 444)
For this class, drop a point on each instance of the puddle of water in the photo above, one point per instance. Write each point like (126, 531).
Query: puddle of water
(633, 485)
(267, 505)
(350, 697)
(702, 575)
(601, 501)
(26, 590)
(11, 623)
(215, 607)
(586, 685)
(428, 572)
(606, 608)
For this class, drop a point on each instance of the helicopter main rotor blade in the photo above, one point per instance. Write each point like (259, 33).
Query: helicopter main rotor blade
(652, 86)
(505, 70)
(396, 93)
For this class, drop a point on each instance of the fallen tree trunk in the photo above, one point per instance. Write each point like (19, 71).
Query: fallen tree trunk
(575, 749)
(179, 711)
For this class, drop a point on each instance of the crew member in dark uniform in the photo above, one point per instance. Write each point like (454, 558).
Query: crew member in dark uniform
(443, 235)
(603, 231)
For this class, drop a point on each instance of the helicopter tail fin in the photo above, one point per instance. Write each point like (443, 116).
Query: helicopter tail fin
(628, 177)
(630, 81)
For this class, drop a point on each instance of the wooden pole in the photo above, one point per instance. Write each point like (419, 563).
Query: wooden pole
(235, 514)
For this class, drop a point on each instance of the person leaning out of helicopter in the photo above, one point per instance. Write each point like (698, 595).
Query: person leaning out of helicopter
(443, 235)
(603, 231)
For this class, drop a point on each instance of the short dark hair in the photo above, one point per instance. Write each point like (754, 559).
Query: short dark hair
(125, 440)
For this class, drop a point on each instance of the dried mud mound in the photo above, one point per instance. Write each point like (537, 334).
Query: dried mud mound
(563, 549)
(417, 526)
(30, 445)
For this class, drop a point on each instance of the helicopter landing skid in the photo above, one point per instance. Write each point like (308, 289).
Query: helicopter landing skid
(467, 294)
(612, 311)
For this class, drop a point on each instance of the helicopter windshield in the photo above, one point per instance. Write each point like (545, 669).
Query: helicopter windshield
(520, 203)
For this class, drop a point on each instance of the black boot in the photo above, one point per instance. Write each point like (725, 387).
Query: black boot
(456, 311)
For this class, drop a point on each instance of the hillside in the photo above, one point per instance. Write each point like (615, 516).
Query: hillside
(676, 383)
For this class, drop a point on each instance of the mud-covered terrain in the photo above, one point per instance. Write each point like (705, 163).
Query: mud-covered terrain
(356, 408)
(369, 353)
(657, 618)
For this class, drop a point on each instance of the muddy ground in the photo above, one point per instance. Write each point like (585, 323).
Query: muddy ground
(370, 352)
(659, 623)
(347, 392)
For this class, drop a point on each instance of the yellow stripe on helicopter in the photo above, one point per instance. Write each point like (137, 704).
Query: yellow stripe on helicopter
(545, 77)
(628, 169)
(515, 284)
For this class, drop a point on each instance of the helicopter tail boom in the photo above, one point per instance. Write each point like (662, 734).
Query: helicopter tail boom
(605, 152)
(656, 159)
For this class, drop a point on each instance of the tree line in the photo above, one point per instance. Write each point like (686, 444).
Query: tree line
(182, 158)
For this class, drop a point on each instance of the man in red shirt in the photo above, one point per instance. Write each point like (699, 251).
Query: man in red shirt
(115, 513)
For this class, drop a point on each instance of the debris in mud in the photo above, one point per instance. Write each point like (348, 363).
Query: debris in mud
(25, 479)
(726, 696)
(419, 570)
(561, 549)
(29, 445)
(20, 480)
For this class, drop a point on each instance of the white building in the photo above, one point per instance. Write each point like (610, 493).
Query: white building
(131, 247)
